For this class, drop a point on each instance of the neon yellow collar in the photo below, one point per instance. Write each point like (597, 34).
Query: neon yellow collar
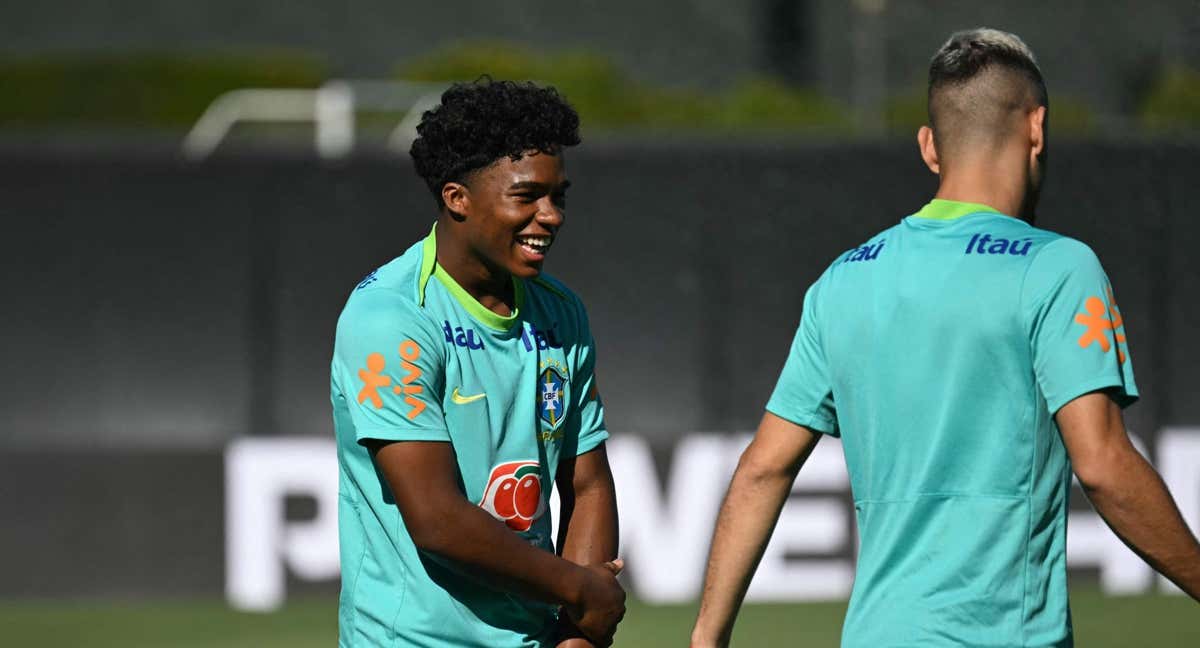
(430, 268)
(939, 209)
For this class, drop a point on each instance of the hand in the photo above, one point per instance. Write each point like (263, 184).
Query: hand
(601, 603)
(568, 636)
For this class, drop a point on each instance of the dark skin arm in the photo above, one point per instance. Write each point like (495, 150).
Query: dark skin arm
(422, 476)
(1126, 490)
(587, 530)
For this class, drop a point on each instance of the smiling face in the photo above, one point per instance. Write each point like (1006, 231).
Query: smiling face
(504, 219)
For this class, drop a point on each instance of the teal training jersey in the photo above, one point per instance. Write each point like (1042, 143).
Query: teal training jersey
(417, 358)
(939, 352)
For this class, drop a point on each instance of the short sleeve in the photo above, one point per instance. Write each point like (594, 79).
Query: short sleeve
(1078, 336)
(389, 363)
(804, 392)
(588, 422)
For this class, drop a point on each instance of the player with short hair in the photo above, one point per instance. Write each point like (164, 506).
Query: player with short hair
(968, 361)
(463, 387)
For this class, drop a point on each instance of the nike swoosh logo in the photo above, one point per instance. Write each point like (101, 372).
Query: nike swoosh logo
(459, 399)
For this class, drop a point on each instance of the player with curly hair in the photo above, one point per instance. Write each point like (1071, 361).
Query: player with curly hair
(462, 388)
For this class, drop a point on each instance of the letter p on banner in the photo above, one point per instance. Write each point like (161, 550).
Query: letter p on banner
(260, 473)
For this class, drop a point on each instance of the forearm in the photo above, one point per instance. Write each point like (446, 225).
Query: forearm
(486, 549)
(589, 530)
(1134, 501)
(744, 525)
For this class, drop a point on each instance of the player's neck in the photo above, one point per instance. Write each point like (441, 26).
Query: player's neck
(986, 184)
(491, 287)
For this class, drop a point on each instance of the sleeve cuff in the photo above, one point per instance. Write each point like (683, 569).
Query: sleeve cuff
(1124, 395)
(812, 421)
(589, 443)
(402, 434)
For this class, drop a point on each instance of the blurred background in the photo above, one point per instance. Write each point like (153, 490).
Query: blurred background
(190, 190)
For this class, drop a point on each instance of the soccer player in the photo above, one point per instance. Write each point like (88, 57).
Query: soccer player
(463, 389)
(968, 361)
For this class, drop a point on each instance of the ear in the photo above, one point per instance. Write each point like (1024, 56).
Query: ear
(457, 198)
(1037, 131)
(928, 149)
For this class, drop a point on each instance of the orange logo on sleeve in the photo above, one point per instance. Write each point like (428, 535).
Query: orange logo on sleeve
(373, 379)
(409, 352)
(1098, 325)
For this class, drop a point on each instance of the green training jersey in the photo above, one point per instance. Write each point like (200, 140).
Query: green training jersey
(418, 359)
(939, 352)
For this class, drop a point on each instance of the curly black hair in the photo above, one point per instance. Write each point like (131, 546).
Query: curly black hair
(478, 123)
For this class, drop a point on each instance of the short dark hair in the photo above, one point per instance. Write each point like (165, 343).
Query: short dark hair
(969, 52)
(977, 78)
(480, 122)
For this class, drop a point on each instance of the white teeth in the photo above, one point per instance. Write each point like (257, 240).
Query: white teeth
(537, 243)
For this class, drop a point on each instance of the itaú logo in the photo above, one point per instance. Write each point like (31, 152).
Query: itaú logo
(514, 494)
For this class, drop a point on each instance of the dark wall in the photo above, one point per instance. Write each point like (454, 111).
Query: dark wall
(152, 302)
(111, 524)
(155, 309)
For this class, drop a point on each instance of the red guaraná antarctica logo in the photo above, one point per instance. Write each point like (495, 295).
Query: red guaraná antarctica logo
(514, 494)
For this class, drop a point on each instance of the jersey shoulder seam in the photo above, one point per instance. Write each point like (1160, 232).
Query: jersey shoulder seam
(426, 320)
(553, 286)
(405, 298)
(1032, 262)
(557, 288)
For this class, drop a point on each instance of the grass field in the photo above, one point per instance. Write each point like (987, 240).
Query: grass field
(1100, 622)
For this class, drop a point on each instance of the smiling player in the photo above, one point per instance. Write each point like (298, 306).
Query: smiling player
(463, 388)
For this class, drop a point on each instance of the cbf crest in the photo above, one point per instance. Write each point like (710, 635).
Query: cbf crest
(553, 389)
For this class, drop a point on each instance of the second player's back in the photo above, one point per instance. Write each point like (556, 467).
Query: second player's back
(926, 338)
(959, 477)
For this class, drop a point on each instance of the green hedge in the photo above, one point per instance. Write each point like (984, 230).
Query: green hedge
(607, 98)
(1173, 102)
(170, 91)
(152, 90)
